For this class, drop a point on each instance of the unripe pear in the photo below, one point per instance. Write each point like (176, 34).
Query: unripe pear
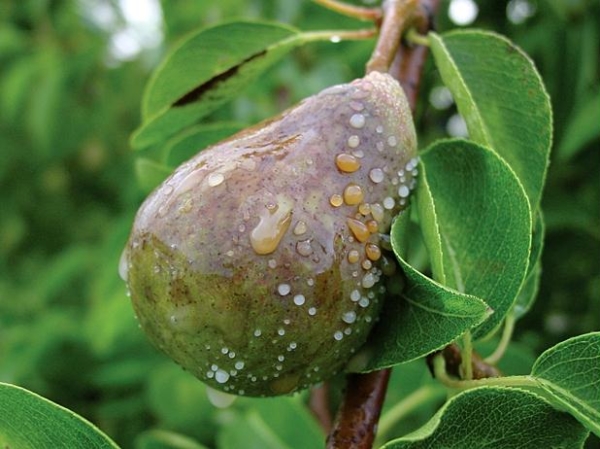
(257, 265)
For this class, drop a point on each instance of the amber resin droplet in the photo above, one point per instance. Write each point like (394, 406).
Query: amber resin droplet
(347, 163)
(274, 222)
(373, 252)
(336, 200)
(353, 194)
(359, 229)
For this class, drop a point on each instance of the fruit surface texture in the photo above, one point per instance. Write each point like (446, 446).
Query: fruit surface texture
(258, 264)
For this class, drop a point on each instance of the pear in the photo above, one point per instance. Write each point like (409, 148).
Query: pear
(258, 264)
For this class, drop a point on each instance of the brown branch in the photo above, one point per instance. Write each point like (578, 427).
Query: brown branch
(407, 66)
(453, 358)
(319, 406)
(358, 415)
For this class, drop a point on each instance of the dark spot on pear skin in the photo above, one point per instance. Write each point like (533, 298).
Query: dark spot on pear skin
(242, 265)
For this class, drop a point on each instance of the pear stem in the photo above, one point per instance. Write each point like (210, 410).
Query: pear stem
(398, 16)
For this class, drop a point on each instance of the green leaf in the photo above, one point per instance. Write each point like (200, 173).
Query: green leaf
(163, 439)
(204, 71)
(530, 287)
(493, 417)
(280, 423)
(472, 199)
(29, 421)
(207, 58)
(502, 99)
(150, 173)
(582, 127)
(188, 143)
(570, 372)
(425, 318)
(209, 68)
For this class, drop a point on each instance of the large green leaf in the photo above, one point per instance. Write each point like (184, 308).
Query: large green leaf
(502, 99)
(570, 372)
(29, 421)
(425, 318)
(278, 423)
(493, 417)
(582, 128)
(476, 222)
(209, 68)
(163, 439)
(191, 141)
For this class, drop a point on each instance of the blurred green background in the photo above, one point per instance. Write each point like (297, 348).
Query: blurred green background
(72, 74)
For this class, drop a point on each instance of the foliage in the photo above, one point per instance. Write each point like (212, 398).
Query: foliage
(69, 191)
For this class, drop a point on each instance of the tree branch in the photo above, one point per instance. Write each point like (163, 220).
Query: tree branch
(358, 415)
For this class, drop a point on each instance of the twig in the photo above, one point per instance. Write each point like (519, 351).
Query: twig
(357, 12)
(409, 60)
(357, 417)
(319, 406)
(398, 16)
(453, 360)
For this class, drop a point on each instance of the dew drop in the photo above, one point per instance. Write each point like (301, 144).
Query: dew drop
(273, 224)
(272, 263)
(336, 200)
(310, 282)
(355, 296)
(367, 264)
(373, 251)
(357, 121)
(357, 106)
(284, 289)
(392, 141)
(281, 331)
(312, 311)
(338, 335)
(389, 203)
(214, 179)
(379, 129)
(349, 317)
(376, 175)
(257, 333)
(380, 146)
(239, 365)
(347, 163)
(353, 256)
(304, 248)
(353, 141)
(359, 229)
(403, 191)
(124, 265)
(368, 280)
(364, 302)
(377, 211)
(364, 209)
(299, 300)
(221, 376)
(300, 228)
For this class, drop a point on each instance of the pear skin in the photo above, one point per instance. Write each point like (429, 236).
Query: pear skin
(257, 265)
